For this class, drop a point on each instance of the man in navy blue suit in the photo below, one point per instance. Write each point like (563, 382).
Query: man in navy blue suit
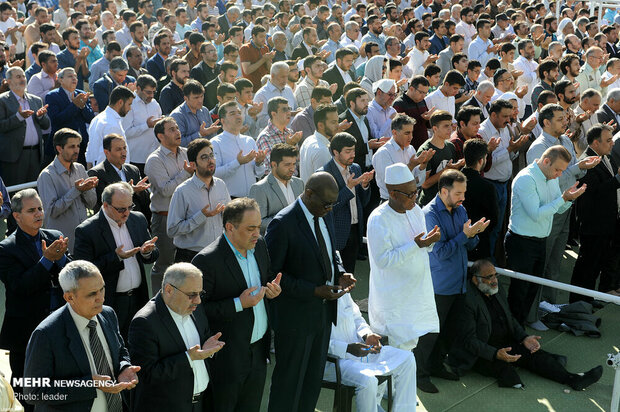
(353, 196)
(73, 112)
(156, 64)
(79, 342)
(116, 76)
(301, 243)
(439, 40)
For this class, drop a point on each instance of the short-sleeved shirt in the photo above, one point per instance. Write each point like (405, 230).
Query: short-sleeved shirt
(250, 53)
(437, 163)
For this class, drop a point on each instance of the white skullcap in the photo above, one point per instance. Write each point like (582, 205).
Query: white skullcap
(397, 174)
(508, 96)
(384, 84)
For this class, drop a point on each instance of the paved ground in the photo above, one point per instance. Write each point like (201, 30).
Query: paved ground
(480, 394)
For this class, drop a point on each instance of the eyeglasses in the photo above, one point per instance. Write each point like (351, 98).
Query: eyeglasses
(124, 209)
(191, 296)
(488, 277)
(207, 157)
(407, 195)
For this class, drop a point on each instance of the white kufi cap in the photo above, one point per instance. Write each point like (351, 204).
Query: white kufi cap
(397, 174)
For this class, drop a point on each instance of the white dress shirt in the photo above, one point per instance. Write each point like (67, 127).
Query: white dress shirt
(380, 119)
(100, 403)
(324, 232)
(468, 31)
(314, 154)
(238, 178)
(141, 140)
(287, 191)
(128, 278)
(501, 170)
(106, 122)
(529, 77)
(190, 336)
(477, 50)
(391, 153)
(417, 58)
(441, 102)
(361, 125)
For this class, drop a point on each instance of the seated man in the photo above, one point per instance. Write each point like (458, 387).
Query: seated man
(362, 358)
(492, 341)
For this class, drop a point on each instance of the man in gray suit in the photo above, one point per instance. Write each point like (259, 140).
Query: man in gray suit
(279, 188)
(22, 117)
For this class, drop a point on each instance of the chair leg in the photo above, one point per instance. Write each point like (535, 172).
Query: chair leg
(389, 390)
(349, 399)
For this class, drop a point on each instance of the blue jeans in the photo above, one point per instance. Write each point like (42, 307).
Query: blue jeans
(502, 200)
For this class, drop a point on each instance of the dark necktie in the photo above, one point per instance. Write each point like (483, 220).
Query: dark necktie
(103, 367)
(327, 264)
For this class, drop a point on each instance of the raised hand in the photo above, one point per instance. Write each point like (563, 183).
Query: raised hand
(189, 167)
(515, 145)
(472, 230)
(294, 138)
(247, 158)
(427, 115)
(56, 250)
(503, 355)
(493, 143)
(273, 289)
(251, 296)
(129, 375)
(148, 246)
(425, 241)
(126, 254)
(344, 125)
(531, 343)
(589, 162)
(141, 186)
(260, 157)
(219, 208)
(86, 184)
(347, 281)
(573, 192)
(210, 347)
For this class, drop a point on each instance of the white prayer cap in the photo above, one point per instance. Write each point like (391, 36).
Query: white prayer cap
(508, 96)
(397, 174)
(384, 84)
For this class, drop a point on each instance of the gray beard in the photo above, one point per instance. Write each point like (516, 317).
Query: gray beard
(487, 290)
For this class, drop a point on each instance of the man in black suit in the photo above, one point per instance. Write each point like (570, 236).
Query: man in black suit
(612, 38)
(236, 272)
(228, 20)
(118, 242)
(353, 196)
(491, 340)
(30, 260)
(357, 104)
(481, 99)
(341, 73)
(114, 169)
(301, 243)
(481, 200)
(597, 217)
(169, 339)
(610, 111)
(58, 350)
(308, 44)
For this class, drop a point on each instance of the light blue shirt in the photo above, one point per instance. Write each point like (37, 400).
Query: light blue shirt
(545, 141)
(380, 40)
(324, 232)
(534, 202)
(95, 53)
(331, 46)
(97, 70)
(249, 267)
(478, 51)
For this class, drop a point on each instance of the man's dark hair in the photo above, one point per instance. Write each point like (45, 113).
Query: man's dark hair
(344, 52)
(465, 114)
(68, 31)
(192, 86)
(196, 38)
(120, 93)
(340, 141)
(498, 105)
(243, 83)
(431, 70)
(481, 23)
(113, 46)
(440, 116)
(596, 132)
(473, 64)
(545, 96)
(45, 55)
(546, 66)
(225, 88)
(282, 150)
(353, 95)
(369, 45)
(449, 177)
(236, 208)
(454, 77)
(195, 146)
(401, 120)
(320, 114)
(474, 150)
(274, 103)
(107, 140)
(174, 66)
(547, 113)
(419, 80)
(64, 134)
(419, 36)
(160, 126)
(319, 92)
(560, 87)
(146, 80)
(566, 62)
(457, 58)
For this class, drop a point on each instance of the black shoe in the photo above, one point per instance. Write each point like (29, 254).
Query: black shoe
(427, 386)
(579, 383)
(362, 257)
(445, 374)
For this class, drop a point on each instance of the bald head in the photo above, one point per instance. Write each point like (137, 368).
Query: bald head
(321, 181)
(321, 193)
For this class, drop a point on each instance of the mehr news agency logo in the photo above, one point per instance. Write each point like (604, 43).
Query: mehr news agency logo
(30, 382)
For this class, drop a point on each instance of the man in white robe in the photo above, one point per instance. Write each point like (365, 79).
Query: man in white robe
(362, 358)
(401, 303)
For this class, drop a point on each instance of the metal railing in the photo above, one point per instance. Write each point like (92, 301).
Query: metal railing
(17, 188)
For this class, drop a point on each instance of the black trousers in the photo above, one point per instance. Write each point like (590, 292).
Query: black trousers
(126, 307)
(593, 251)
(433, 347)
(610, 268)
(17, 361)
(349, 253)
(246, 394)
(526, 255)
(184, 255)
(25, 169)
(300, 363)
(540, 362)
